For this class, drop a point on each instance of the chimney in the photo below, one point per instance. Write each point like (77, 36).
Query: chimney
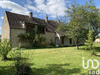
(46, 19)
(30, 15)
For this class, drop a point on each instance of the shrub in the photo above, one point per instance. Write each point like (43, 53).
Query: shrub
(26, 36)
(90, 39)
(21, 65)
(52, 44)
(5, 47)
(39, 40)
(0, 40)
(23, 70)
(89, 42)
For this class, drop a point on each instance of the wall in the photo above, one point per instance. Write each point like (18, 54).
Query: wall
(14, 36)
(50, 37)
(58, 39)
(67, 42)
(5, 28)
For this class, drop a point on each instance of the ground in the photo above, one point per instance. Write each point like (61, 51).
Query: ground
(53, 61)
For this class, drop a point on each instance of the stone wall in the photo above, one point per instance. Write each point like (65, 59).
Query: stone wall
(5, 28)
(50, 37)
(14, 36)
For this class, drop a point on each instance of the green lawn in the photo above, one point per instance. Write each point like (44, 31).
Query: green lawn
(53, 61)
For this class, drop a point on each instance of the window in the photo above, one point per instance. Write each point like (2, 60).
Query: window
(41, 30)
(70, 40)
(30, 28)
(62, 40)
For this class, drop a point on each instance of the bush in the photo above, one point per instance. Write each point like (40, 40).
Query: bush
(26, 36)
(23, 70)
(21, 65)
(5, 47)
(39, 40)
(89, 42)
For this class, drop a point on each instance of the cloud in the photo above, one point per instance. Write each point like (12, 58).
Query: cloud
(14, 7)
(51, 7)
(2, 17)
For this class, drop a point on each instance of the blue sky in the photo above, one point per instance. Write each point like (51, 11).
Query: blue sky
(54, 8)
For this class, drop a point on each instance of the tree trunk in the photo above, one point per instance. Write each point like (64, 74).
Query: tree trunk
(77, 45)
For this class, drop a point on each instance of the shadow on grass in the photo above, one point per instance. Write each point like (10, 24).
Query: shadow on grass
(10, 70)
(7, 70)
(41, 48)
(97, 49)
(56, 69)
(52, 47)
(13, 59)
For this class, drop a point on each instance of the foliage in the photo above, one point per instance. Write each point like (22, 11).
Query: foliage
(22, 67)
(51, 44)
(90, 41)
(5, 48)
(0, 38)
(77, 33)
(80, 16)
(39, 40)
(62, 27)
(26, 36)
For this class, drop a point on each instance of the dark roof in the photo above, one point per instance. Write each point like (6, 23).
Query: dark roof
(15, 21)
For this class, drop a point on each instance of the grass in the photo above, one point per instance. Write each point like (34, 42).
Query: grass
(53, 61)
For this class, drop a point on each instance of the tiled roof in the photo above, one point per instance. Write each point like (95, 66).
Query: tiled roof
(15, 21)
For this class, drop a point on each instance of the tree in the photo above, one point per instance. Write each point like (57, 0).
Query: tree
(5, 47)
(90, 39)
(92, 17)
(77, 33)
(80, 16)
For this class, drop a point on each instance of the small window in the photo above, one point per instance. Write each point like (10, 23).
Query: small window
(30, 28)
(41, 30)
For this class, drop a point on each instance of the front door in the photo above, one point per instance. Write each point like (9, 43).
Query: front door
(57, 41)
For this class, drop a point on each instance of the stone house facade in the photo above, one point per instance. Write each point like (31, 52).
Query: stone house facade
(97, 40)
(15, 24)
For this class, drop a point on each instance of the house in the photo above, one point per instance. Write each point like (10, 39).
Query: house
(97, 40)
(15, 24)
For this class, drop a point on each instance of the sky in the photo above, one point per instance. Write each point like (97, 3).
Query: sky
(53, 8)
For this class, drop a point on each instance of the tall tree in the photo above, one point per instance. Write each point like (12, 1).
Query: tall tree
(81, 16)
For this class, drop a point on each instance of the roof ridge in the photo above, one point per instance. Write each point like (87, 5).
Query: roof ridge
(14, 20)
(27, 16)
(15, 13)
